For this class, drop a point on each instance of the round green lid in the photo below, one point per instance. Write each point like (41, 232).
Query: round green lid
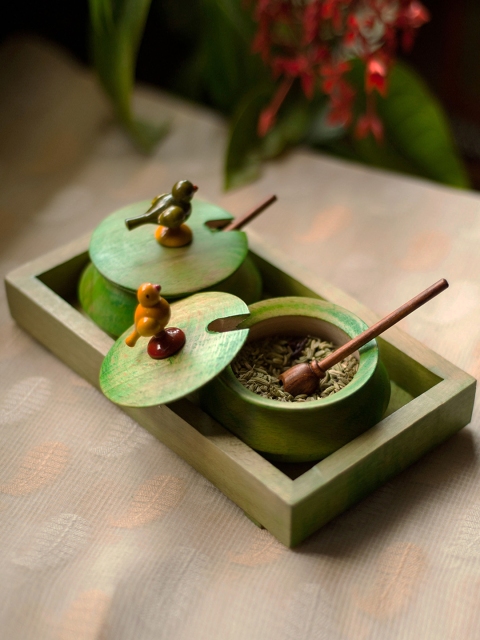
(129, 258)
(130, 377)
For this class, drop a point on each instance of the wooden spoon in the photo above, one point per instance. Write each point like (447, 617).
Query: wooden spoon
(303, 378)
(240, 222)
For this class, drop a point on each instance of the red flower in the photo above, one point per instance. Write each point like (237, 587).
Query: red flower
(261, 45)
(376, 76)
(327, 9)
(312, 39)
(266, 121)
(369, 123)
(408, 36)
(413, 16)
(341, 100)
(290, 67)
(311, 22)
(416, 14)
(332, 75)
(307, 81)
(269, 115)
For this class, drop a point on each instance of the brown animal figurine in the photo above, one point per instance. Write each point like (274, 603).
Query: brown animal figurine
(151, 317)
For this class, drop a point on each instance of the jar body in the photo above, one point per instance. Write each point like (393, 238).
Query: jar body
(121, 260)
(307, 431)
(112, 308)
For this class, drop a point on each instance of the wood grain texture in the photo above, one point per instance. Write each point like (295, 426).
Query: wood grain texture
(291, 510)
(130, 377)
(129, 258)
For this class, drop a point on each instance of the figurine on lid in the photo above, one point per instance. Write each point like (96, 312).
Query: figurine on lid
(209, 254)
(151, 317)
(170, 211)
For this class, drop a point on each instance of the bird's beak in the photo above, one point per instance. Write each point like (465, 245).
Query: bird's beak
(195, 187)
(157, 287)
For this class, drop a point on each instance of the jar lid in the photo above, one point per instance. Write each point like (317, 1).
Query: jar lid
(130, 377)
(128, 258)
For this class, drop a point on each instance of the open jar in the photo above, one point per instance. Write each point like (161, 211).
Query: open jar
(307, 431)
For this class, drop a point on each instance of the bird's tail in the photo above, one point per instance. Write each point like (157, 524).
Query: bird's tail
(131, 340)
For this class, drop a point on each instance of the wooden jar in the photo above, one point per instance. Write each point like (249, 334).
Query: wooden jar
(307, 431)
(121, 260)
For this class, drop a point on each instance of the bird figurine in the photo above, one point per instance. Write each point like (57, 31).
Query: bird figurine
(151, 317)
(170, 211)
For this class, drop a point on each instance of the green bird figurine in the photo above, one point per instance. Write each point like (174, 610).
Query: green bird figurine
(170, 211)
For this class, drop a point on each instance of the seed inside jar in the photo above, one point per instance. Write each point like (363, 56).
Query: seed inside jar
(260, 363)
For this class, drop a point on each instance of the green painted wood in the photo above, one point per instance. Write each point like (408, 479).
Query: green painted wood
(41, 296)
(112, 308)
(298, 432)
(398, 398)
(245, 283)
(352, 473)
(130, 377)
(129, 258)
(411, 376)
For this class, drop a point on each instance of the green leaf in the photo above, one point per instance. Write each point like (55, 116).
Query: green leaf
(116, 31)
(246, 150)
(418, 128)
(244, 157)
(230, 68)
(417, 135)
(321, 131)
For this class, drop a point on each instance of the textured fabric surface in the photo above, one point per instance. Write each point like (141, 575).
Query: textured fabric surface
(108, 535)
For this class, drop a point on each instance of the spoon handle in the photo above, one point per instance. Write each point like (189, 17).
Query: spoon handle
(303, 377)
(240, 222)
(382, 325)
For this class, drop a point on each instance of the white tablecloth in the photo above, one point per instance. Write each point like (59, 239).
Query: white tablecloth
(105, 533)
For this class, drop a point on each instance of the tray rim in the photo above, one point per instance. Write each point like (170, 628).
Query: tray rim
(290, 509)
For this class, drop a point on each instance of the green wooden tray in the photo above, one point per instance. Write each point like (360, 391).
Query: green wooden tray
(431, 400)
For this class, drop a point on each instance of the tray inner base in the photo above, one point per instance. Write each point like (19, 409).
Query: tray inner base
(405, 387)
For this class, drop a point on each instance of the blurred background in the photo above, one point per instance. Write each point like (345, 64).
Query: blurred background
(202, 50)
